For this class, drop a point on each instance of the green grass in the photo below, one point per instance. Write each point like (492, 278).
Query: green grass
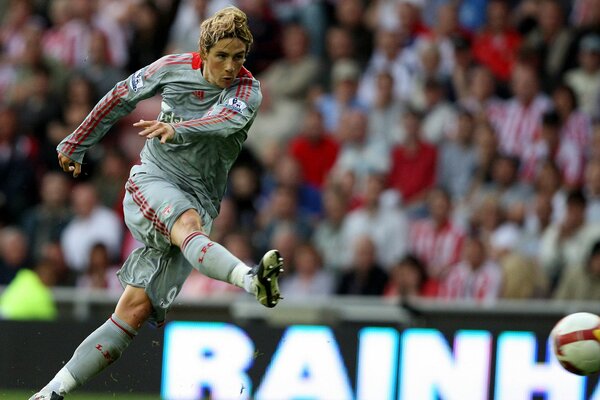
(21, 395)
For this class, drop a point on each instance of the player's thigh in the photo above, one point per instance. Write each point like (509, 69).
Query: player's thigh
(151, 207)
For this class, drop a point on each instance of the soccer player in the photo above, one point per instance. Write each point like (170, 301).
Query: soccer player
(209, 101)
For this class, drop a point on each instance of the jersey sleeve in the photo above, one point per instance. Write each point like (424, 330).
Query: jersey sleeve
(118, 102)
(234, 111)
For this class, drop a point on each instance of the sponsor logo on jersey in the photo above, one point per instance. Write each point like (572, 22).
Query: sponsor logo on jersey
(236, 104)
(137, 81)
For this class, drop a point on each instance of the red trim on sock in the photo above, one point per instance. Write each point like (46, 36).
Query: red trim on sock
(187, 240)
(131, 335)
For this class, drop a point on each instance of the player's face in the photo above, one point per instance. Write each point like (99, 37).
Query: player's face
(224, 61)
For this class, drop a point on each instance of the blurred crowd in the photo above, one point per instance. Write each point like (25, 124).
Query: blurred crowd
(439, 148)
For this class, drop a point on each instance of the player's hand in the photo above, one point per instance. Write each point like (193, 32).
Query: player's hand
(157, 129)
(69, 165)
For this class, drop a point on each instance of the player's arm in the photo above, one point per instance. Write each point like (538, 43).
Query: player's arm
(118, 102)
(235, 111)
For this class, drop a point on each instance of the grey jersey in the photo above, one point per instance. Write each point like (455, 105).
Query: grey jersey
(210, 124)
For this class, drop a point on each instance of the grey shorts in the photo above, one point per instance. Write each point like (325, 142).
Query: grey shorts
(151, 207)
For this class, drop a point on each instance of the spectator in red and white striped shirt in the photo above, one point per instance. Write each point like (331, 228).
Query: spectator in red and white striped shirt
(520, 118)
(575, 124)
(435, 239)
(475, 277)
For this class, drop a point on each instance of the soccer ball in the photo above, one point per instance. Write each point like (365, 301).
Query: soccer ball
(576, 343)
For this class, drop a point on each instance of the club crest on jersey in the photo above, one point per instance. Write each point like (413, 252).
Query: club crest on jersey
(137, 81)
(236, 104)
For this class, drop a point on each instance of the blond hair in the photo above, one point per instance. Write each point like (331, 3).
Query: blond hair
(230, 22)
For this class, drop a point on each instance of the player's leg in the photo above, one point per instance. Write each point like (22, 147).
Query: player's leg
(102, 347)
(215, 261)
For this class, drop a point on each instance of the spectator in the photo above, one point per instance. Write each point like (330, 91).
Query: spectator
(385, 112)
(591, 189)
(308, 279)
(338, 46)
(92, 223)
(343, 97)
(314, 149)
(407, 279)
(435, 239)
(13, 253)
(565, 243)
(109, 180)
(520, 117)
(185, 29)
(391, 55)
(496, 45)
(552, 40)
(243, 194)
(358, 155)
(365, 277)
(557, 148)
(285, 86)
(414, 162)
(581, 282)
(585, 80)
(349, 14)
(575, 125)
(480, 97)
(328, 236)
(387, 227)
(17, 180)
(440, 114)
(458, 158)
(476, 277)
(100, 273)
(44, 223)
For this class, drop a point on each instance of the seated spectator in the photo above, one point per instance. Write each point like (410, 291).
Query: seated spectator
(575, 125)
(552, 146)
(522, 277)
(518, 119)
(435, 239)
(45, 222)
(387, 227)
(308, 280)
(505, 184)
(458, 158)
(315, 149)
(92, 223)
(328, 236)
(495, 46)
(359, 155)
(343, 95)
(591, 189)
(100, 273)
(407, 279)
(585, 80)
(13, 253)
(440, 114)
(565, 243)
(481, 98)
(552, 40)
(365, 277)
(581, 282)
(476, 277)
(414, 162)
(285, 86)
(385, 112)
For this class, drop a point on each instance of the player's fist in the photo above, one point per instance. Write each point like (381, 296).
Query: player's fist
(69, 165)
(152, 129)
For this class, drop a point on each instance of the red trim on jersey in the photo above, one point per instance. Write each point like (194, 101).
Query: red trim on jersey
(196, 61)
(187, 240)
(123, 329)
(169, 60)
(148, 212)
(90, 123)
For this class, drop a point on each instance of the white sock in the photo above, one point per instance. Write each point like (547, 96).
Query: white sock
(62, 383)
(240, 278)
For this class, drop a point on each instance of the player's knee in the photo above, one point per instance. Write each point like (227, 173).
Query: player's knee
(190, 221)
(134, 308)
